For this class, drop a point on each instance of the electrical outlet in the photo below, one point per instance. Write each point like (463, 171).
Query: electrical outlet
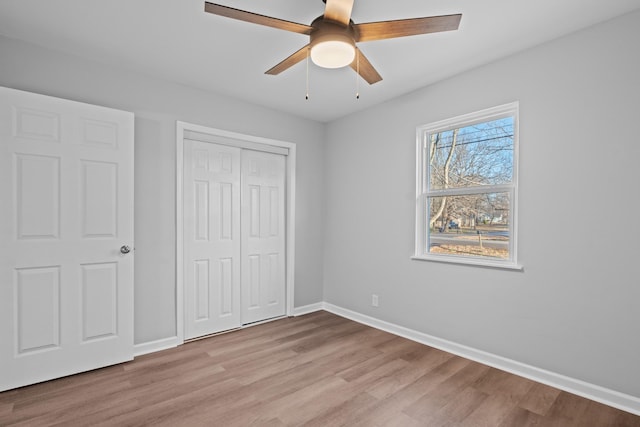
(374, 300)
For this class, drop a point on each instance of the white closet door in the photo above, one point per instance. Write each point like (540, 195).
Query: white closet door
(263, 236)
(66, 237)
(211, 238)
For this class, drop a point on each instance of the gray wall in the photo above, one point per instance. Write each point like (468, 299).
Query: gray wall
(157, 105)
(574, 308)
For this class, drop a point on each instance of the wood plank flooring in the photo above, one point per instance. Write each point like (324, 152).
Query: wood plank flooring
(313, 370)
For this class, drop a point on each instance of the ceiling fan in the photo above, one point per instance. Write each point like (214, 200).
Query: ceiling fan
(333, 36)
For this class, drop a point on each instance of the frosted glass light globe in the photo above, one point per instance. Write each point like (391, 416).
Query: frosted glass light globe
(333, 53)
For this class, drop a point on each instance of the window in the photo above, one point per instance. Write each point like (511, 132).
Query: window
(467, 188)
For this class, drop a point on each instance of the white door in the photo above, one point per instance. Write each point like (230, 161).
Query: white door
(212, 238)
(66, 211)
(263, 236)
(234, 237)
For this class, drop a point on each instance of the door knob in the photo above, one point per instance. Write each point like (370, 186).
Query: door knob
(125, 249)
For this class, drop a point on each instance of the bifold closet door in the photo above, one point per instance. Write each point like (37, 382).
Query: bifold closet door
(211, 238)
(263, 236)
(234, 237)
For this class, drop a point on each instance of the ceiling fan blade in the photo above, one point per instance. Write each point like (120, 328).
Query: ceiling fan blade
(362, 66)
(339, 11)
(406, 27)
(289, 62)
(254, 18)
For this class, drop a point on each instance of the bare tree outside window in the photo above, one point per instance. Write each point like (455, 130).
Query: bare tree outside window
(467, 186)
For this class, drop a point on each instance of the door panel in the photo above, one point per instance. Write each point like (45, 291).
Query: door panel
(99, 300)
(37, 308)
(37, 191)
(212, 238)
(66, 187)
(98, 199)
(263, 236)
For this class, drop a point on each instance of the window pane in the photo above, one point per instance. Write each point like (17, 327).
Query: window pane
(470, 156)
(472, 225)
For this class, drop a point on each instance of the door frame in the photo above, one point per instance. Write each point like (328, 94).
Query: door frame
(217, 136)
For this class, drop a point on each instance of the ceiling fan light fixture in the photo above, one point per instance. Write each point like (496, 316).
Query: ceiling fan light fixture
(333, 35)
(333, 50)
(333, 54)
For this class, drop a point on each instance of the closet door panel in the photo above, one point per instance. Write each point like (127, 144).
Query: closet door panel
(263, 236)
(212, 238)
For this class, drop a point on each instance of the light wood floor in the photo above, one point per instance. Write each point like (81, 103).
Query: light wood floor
(316, 370)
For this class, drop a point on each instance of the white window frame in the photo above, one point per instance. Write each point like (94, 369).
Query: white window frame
(423, 191)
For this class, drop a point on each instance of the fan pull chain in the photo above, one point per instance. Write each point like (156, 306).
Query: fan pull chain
(357, 74)
(307, 95)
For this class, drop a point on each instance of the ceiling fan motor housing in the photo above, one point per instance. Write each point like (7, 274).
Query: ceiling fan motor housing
(332, 44)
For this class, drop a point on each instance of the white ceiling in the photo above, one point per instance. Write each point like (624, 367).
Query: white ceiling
(177, 41)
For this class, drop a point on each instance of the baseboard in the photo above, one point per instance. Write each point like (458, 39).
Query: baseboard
(153, 346)
(171, 342)
(306, 309)
(594, 392)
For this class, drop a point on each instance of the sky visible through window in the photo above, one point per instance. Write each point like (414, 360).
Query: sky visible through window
(481, 154)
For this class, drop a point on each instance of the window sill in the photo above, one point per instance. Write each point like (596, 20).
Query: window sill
(504, 265)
